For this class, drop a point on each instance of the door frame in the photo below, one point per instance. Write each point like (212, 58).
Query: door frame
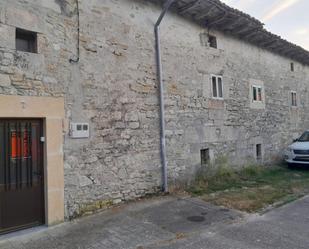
(52, 113)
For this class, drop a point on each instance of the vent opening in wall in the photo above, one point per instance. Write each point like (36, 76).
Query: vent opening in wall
(212, 41)
(258, 152)
(293, 98)
(26, 41)
(292, 66)
(205, 157)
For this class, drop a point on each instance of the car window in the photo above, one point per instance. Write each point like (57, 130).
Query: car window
(304, 137)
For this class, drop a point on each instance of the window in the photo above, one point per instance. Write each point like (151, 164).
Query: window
(293, 98)
(304, 137)
(217, 87)
(259, 152)
(292, 66)
(212, 41)
(257, 93)
(26, 41)
(205, 158)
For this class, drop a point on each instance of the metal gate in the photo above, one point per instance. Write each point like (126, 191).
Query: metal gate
(21, 174)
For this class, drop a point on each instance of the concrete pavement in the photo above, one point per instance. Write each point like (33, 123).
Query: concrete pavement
(170, 222)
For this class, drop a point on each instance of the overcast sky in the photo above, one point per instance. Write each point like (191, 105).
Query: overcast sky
(287, 18)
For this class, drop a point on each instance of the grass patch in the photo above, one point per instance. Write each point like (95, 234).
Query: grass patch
(253, 188)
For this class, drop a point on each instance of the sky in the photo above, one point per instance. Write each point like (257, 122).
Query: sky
(287, 18)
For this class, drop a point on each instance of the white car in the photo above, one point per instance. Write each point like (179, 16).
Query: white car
(298, 151)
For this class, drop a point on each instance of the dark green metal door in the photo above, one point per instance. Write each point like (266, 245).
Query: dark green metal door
(21, 174)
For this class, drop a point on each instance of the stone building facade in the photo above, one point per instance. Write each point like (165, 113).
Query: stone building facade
(113, 87)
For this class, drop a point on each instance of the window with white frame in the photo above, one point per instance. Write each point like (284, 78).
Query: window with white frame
(293, 98)
(257, 93)
(217, 87)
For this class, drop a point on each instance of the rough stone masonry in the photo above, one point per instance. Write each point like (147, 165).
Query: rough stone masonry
(114, 88)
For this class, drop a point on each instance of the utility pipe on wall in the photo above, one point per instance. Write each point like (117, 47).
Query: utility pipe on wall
(161, 93)
(76, 60)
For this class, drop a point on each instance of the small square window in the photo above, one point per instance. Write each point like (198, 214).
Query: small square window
(85, 127)
(79, 127)
(26, 41)
(217, 87)
(212, 41)
(292, 66)
(293, 98)
(257, 93)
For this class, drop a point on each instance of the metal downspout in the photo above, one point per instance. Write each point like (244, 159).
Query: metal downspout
(161, 92)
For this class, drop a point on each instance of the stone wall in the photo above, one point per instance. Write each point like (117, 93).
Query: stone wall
(114, 88)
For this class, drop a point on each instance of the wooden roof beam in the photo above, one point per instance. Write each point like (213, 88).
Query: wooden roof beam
(296, 53)
(269, 43)
(258, 39)
(253, 38)
(230, 23)
(241, 29)
(264, 38)
(204, 14)
(302, 56)
(188, 6)
(249, 32)
(280, 48)
(290, 52)
(217, 20)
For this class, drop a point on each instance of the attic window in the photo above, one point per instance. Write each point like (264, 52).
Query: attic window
(26, 41)
(292, 66)
(212, 41)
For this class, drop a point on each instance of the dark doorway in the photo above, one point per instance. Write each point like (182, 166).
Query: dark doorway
(21, 174)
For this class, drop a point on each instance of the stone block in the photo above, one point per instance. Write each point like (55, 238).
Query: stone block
(134, 125)
(5, 80)
(51, 5)
(84, 181)
(33, 64)
(117, 116)
(24, 18)
(7, 34)
(131, 117)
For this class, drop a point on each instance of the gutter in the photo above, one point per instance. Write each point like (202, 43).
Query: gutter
(161, 94)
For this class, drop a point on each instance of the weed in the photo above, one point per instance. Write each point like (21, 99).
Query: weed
(252, 188)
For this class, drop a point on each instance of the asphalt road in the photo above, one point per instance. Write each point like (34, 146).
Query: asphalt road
(168, 223)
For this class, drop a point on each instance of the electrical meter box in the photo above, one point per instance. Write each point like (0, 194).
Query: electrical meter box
(79, 130)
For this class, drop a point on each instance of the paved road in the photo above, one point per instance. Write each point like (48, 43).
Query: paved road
(169, 223)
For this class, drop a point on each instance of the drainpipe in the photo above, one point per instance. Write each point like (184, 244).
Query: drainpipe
(161, 92)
